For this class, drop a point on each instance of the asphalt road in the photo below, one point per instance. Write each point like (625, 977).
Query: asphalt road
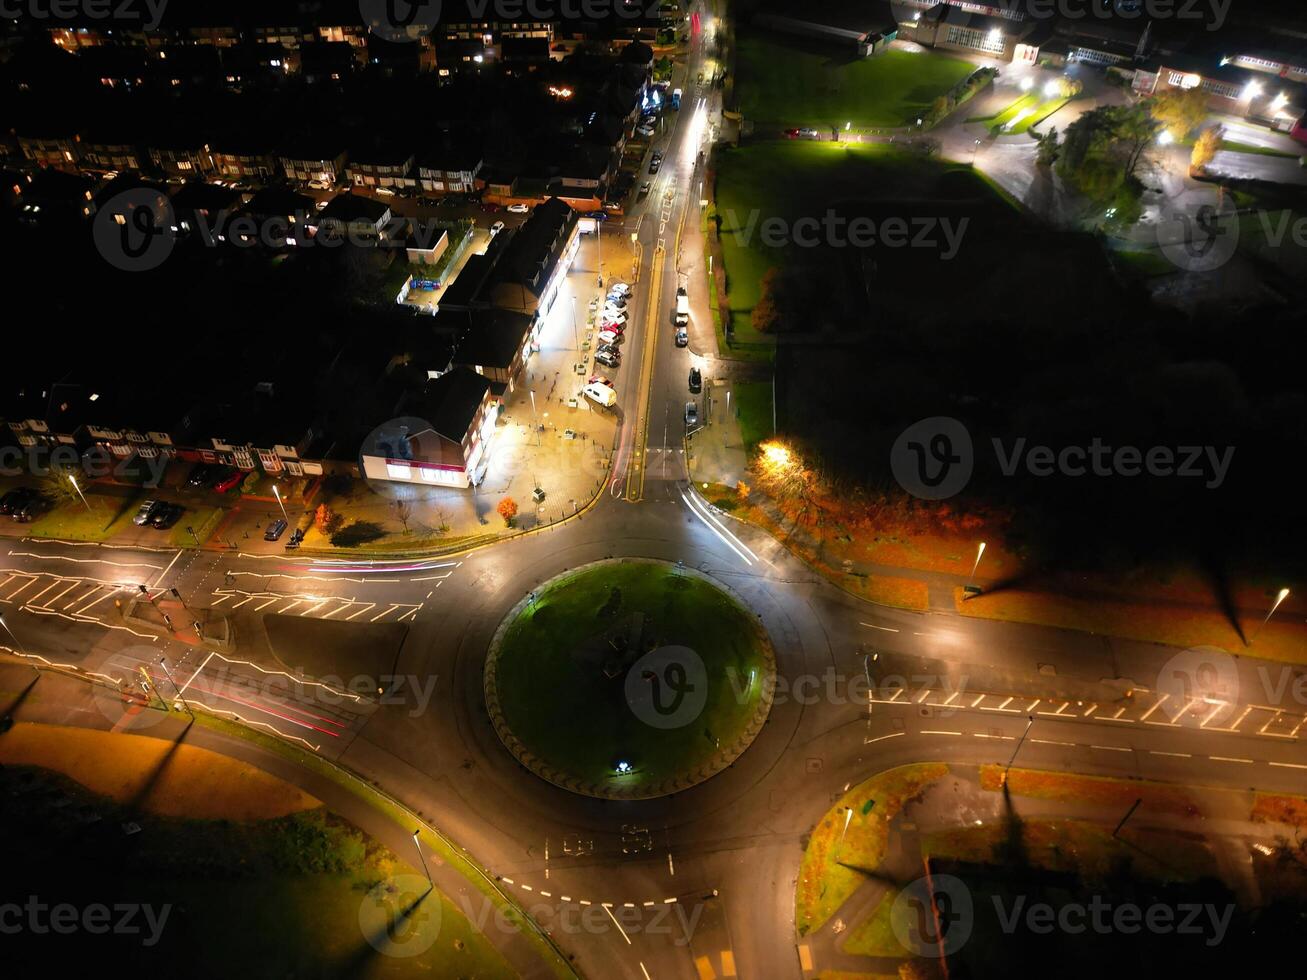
(405, 710)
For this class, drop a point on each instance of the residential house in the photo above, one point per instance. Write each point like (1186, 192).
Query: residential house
(356, 218)
(382, 167)
(449, 169)
(51, 149)
(321, 165)
(181, 159)
(442, 436)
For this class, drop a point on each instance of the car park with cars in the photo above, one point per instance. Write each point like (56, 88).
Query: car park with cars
(166, 515)
(16, 500)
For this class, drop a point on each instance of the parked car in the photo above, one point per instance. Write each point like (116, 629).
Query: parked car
(275, 530)
(29, 510)
(608, 359)
(655, 163)
(645, 188)
(645, 131)
(230, 478)
(385, 192)
(296, 538)
(792, 133)
(616, 299)
(16, 500)
(614, 315)
(145, 513)
(610, 337)
(200, 475)
(166, 515)
(691, 413)
(809, 133)
(496, 228)
(319, 185)
(619, 287)
(519, 209)
(489, 208)
(696, 380)
(682, 337)
(600, 394)
(599, 379)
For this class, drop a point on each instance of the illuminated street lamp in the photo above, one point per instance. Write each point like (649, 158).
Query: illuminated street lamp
(73, 480)
(969, 589)
(1279, 598)
(277, 493)
(1164, 138)
(1030, 720)
(12, 637)
(422, 857)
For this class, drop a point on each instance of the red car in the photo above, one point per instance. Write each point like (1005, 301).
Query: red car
(792, 133)
(232, 479)
(599, 379)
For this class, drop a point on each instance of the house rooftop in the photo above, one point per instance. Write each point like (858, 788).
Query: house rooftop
(349, 208)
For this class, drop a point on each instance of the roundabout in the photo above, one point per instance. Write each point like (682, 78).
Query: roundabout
(629, 679)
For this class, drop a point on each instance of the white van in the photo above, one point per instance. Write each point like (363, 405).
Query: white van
(682, 309)
(600, 394)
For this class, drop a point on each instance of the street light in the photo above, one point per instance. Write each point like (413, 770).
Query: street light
(277, 493)
(1030, 720)
(969, 589)
(422, 857)
(73, 480)
(12, 637)
(1279, 598)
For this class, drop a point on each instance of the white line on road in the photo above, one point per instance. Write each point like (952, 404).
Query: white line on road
(1225, 758)
(1174, 755)
(1049, 741)
(887, 629)
(881, 738)
(1111, 748)
(1289, 765)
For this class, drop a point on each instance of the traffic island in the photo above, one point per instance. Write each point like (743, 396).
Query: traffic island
(629, 679)
(174, 620)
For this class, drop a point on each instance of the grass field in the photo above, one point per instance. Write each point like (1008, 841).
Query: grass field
(753, 403)
(74, 522)
(795, 179)
(557, 697)
(783, 81)
(278, 896)
(844, 850)
(1024, 112)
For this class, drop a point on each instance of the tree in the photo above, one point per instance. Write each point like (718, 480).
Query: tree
(507, 509)
(403, 512)
(322, 518)
(1049, 149)
(743, 489)
(1205, 147)
(766, 315)
(1101, 153)
(58, 486)
(1179, 110)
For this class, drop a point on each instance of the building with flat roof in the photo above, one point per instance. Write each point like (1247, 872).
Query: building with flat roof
(865, 26)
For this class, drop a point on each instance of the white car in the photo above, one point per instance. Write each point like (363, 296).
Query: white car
(600, 394)
(496, 228)
(621, 288)
(610, 337)
(613, 314)
(385, 192)
(519, 209)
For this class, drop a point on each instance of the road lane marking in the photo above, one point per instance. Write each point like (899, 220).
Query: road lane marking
(1226, 758)
(1174, 755)
(1111, 748)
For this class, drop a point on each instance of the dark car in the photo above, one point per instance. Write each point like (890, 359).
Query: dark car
(16, 500)
(275, 530)
(696, 381)
(655, 163)
(609, 359)
(229, 479)
(296, 537)
(166, 515)
(200, 475)
(29, 510)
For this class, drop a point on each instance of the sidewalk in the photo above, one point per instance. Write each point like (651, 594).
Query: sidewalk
(717, 454)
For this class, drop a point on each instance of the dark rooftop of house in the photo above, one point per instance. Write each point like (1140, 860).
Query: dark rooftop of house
(349, 208)
(450, 402)
(489, 338)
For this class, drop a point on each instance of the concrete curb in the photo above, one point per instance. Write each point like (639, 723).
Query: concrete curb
(721, 759)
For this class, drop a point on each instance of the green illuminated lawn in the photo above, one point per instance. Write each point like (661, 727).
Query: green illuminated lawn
(783, 81)
(558, 700)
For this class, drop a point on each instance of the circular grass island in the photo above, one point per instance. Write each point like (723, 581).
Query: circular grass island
(629, 679)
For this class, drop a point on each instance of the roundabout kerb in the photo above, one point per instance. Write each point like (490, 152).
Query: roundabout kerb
(645, 680)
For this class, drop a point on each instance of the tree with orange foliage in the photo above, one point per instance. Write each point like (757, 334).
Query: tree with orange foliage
(507, 509)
